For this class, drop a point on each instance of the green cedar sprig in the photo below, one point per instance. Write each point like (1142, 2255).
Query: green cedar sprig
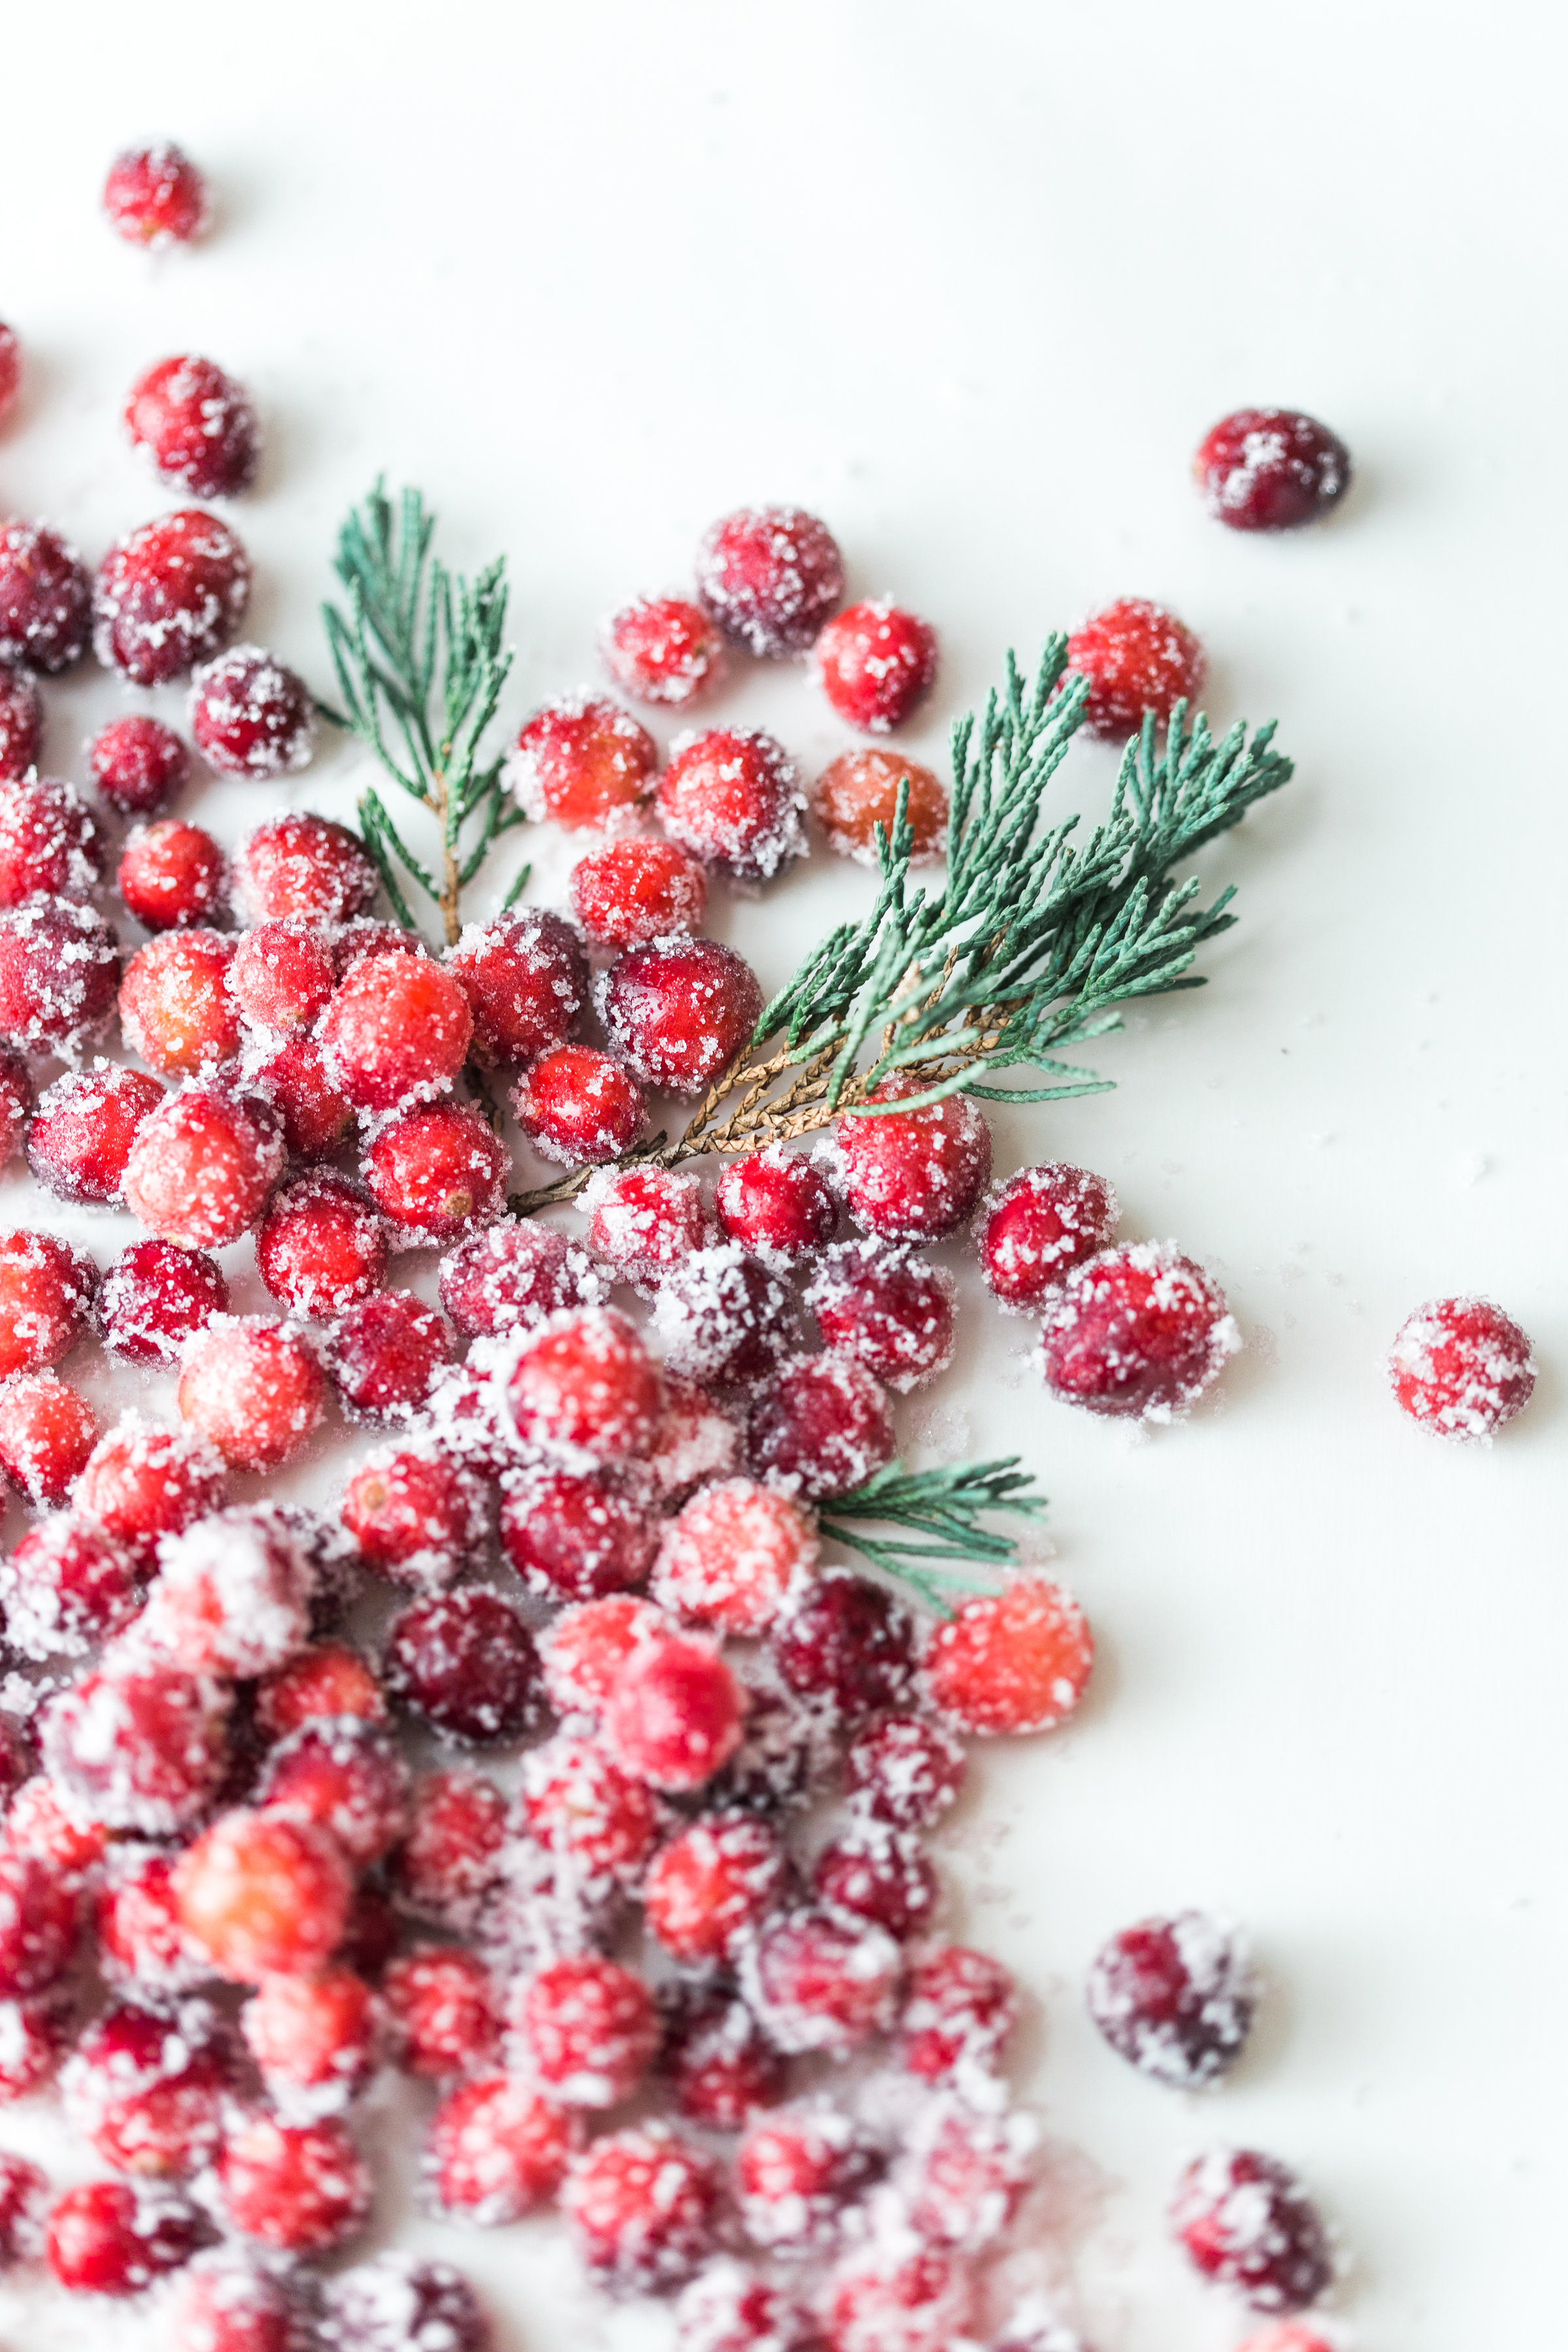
(944, 1506)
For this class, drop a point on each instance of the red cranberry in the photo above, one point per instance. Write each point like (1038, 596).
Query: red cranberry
(796, 2172)
(328, 1678)
(575, 1538)
(582, 1808)
(49, 845)
(321, 1246)
(1138, 658)
(280, 975)
(1461, 1368)
(201, 1167)
(436, 1172)
(914, 1176)
(583, 1382)
(588, 2029)
(725, 1318)
(155, 195)
(396, 1031)
(292, 1079)
(497, 2151)
(169, 595)
(301, 2188)
(465, 1663)
(873, 1872)
(729, 2310)
(1139, 1331)
(586, 1648)
(366, 935)
(37, 1925)
(384, 1354)
(776, 1203)
(642, 2206)
(196, 424)
(661, 649)
(732, 1556)
(1014, 1660)
(146, 2089)
(24, 2193)
(904, 1771)
(877, 664)
(137, 764)
(59, 969)
(732, 798)
(141, 1484)
(252, 1388)
(712, 1885)
(636, 891)
(416, 1515)
(171, 876)
(301, 866)
(848, 1641)
(1271, 469)
(81, 1132)
(46, 599)
(769, 576)
(108, 2238)
(252, 715)
(10, 369)
(674, 1718)
(153, 1296)
(1038, 1225)
(644, 1221)
(442, 2006)
(226, 2304)
(720, 2065)
(821, 1428)
(45, 1291)
(263, 1894)
(680, 1013)
(1246, 2221)
(582, 761)
(860, 791)
(514, 1274)
(232, 1598)
(451, 1858)
(21, 723)
(137, 1748)
(820, 1983)
(312, 2034)
(40, 1824)
(348, 1779)
(695, 1442)
(67, 1589)
(526, 982)
(47, 1433)
(399, 2304)
(965, 2173)
(1174, 1996)
(889, 1310)
(175, 1004)
(580, 1106)
(959, 2008)
(890, 2299)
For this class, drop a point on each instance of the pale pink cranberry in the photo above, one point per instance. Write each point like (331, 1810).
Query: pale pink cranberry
(964, 2174)
(450, 1859)
(1140, 661)
(171, 876)
(280, 975)
(1247, 2221)
(225, 2303)
(196, 424)
(385, 1356)
(51, 846)
(582, 761)
(299, 2189)
(141, 1484)
(733, 798)
(155, 195)
(889, 1310)
(586, 2030)
(913, 1176)
(152, 1298)
(400, 2304)
(887, 2299)
(232, 1597)
(253, 1388)
(644, 1221)
(662, 650)
(321, 1246)
(514, 1273)
(252, 715)
(821, 1427)
(583, 1381)
(877, 663)
(732, 1555)
(821, 1983)
(396, 1031)
(695, 1442)
(575, 1538)
(776, 1203)
(712, 1885)
(580, 1106)
(905, 1770)
(632, 892)
(497, 2150)
(10, 369)
(465, 1663)
(769, 576)
(584, 1649)
(59, 969)
(325, 1678)
(642, 2208)
(46, 1289)
(1015, 1661)
(796, 2172)
(674, 1718)
(441, 2005)
(107, 2238)
(146, 2089)
(526, 981)
(169, 595)
(416, 1515)
(137, 764)
(1461, 1368)
(1137, 1332)
(1175, 1997)
(958, 2009)
(137, 1748)
(67, 1589)
(1040, 1223)
(46, 599)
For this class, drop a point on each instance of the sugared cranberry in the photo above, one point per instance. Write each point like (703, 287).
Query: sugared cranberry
(821, 1983)
(964, 2173)
(1271, 469)
(733, 797)
(465, 1664)
(959, 2008)
(1174, 1996)
(301, 2188)
(584, 1382)
(681, 1012)
(769, 576)
(888, 2299)
(661, 649)
(1138, 1331)
(497, 2150)
(587, 2030)
(904, 1771)
(636, 891)
(108, 2238)
(321, 1246)
(253, 1388)
(642, 2206)
(1040, 1223)
(513, 1274)
(328, 1678)
(22, 726)
(280, 975)
(137, 764)
(435, 1172)
(175, 1004)
(347, 1777)
(877, 663)
(848, 1642)
(171, 876)
(441, 2003)
(38, 1823)
(776, 1203)
(582, 761)
(725, 1318)
(155, 195)
(252, 715)
(263, 1894)
(674, 1718)
(292, 1079)
(644, 1221)
(525, 978)
(913, 1176)
(713, 1883)
(24, 2193)
(695, 1442)
(873, 1872)
(37, 1925)
(821, 1427)
(46, 599)
(720, 2065)
(889, 1310)
(229, 2303)
(46, 1288)
(586, 1648)
(396, 1031)
(416, 1514)
(138, 1748)
(153, 1296)
(575, 1538)
(732, 1556)
(400, 2304)
(146, 2088)
(1246, 2221)
(314, 2035)
(59, 969)
(729, 2309)
(1287, 2336)
(169, 595)
(1015, 1661)
(49, 845)
(82, 1131)
(580, 1805)
(580, 1106)
(451, 1857)
(68, 1588)
(302, 867)
(1461, 1368)
(796, 2171)
(196, 424)
(1138, 658)
(47, 1432)
(385, 1355)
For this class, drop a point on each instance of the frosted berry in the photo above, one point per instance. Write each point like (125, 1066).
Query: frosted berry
(15, 1101)
(695, 1442)
(146, 2088)
(175, 1004)
(155, 195)
(1138, 658)
(848, 1641)
(674, 1718)
(108, 2238)
(889, 1310)
(301, 866)
(24, 2193)
(232, 1596)
(416, 1515)
(440, 2001)
(769, 576)
(580, 1106)
(51, 846)
(435, 1172)
(820, 1428)
(153, 1296)
(1271, 469)
(451, 1857)
(202, 1166)
(513, 1274)
(583, 1808)
(38, 1919)
(1247, 2221)
(1038, 1224)
(280, 975)
(399, 2304)
(347, 1777)
(327, 1678)
(385, 1356)
(712, 1885)
(634, 892)
(300, 2189)
(888, 2299)
(720, 2065)
(22, 730)
(263, 1894)
(40, 1825)
(732, 1556)
(526, 981)
(575, 1538)
(582, 761)
(728, 2309)
(137, 1748)
(877, 664)
(775, 1765)
(733, 797)
(964, 2174)
(196, 424)
(47, 1433)
(583, 1382)
(796, 2171)
(46, 599)
(1174, 1996)
(171, 876)
(681, 1012)
(321, 1246)
(466, 1665)
(312, 2038)
(913, 1176)
(873, 1872)
(227, 2304)
(252, 716)
(68, 1588)
(253, 1388)
(725, 1318)
(292, 1079)
(82, 1128)
(141, 1484)
(1138, 1332)
(1015, 1661)
(497, 2151)
(137, 764)
(644, 1221)
(1461, 1368)
(662, 650)
(584, 1649)
(818, 1983)
(46, 1290)
(905, 1770)
(642, 2208)
(396, 1031)
(169, 595)
(586, 2028)
(10, 369)
(59, 969)
(958, 2009)
(776, 1203)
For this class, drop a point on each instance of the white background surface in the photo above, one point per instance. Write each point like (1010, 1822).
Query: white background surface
(971, 283)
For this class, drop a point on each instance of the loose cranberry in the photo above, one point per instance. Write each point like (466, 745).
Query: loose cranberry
(34, 2035)
(732, 798)
(169, 595)
(873, 1872)
(729, 2309)
(292, 1079)
(821, 1983)
(384, 1354)
(321, 1246)
(301, 2188)
(580, 1106)
(680, 1013)
(46, 599)
(889, 1310)
(662, 650)
(252, 715)
(1461, 1368)
(587, 2029)
(227, 2305)
(146, 2089)
(497, 2151)
(965, 2173)
(171, 876)
(695, 1442)
(451, 1857)
(850, 1643)
(40, 1824)
(465, 1664)
(712, 1885)
(644, 1221)
(822, 1427)
(24, 2193)
(253, 1388)
(10, 369)
(776, 1204)
(59, 969)
(1138, 1332)
(1038, 1225)
(586, 1648)
(37, 1926)
(46, 1290)
(675, 1715)
(1246, 2221)
(348, 1779)
(175, 1004)
(15, 1101)
(877, 664)
(280, 975)
(769, 576)
(137, 764)
(137, 1748)
(328, 1678)
(1271, 469)
(525, 978)
(582, 761)
(22, 723)
(399, 2304)
(514, 1273)
(49, 845)
(733, 1555)
(904, 1771)
(396, 1031)
(312, 2034)
(298, 866)
(580, 1805)
(82, 1131)
(417, 1516)
(203, 1166)
(959, 2008)
(1014, 1660)
(775, 1765)
(575, 1538)
(108, 2238)
(1138, 658)
(725, 1319)
(441, 2002)
(196, 424)
(642, 2206)
(68, 1588)
(796, 2173)
(155, 195)
(1174, 1996)
(583, 1382)
(720, 2065)
(263, 1894)
(154, 1298)
(913, 1176)
(634, 892)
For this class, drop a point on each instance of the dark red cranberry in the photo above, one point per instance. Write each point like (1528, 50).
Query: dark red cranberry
(661, 649)
(203, 1166)
(153, 1296)
(1174, 1996)
(642, 2208)
(526, 981)
(847, 1641)
(196, 424)
(515, 1273)
(301, 866)
(80, 1134)
(320, 1247)
(720, 2065)
(385, 1355)
(22, 724)
(107, 2238)
(155, 195)
(59, 974)
(252, 715)
(137, 764)
(769, 576)
(49, 845)
(1461, 1368)
(858, 792)
(465, 1664)
(774, 1767)
(172, 876)
(436, 1172)
(821, 1427)
(889, 1310)
(37, 1925)
(821, 1983)
(1246, 2221)
(680, 1013)
(580, 1106)
(905, 1770)
(1038, 1225)
(46, 599)
(582, 761)
(46, 1289)
(169, 595)
(1138, 658)
(877, 664)
(1137, 1331)
(872, 1872)
(575, 1538)
(724, 1318)
(632, 892)
(401, 2304)
(346, 1776)
(1271, 469)
(913, 1176)
(397, 1031)
(776, 1203)
(315, 1118)
(733, 798)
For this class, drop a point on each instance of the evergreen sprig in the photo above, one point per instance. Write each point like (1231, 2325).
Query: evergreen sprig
(944, 1506)
(420, 667)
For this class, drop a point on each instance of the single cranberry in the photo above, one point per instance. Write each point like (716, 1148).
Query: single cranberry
(22, 724)
(227, 2304)
(675, 1715)
(302, 867)
(526, 981)
(873, 1872)
(169, 595)
(45, 1291)
(575, 1538)
(46, 599)
(175, 1004)
(263, 1894)
(315, 1118)
(850, 1643)
(586, 1648)
(1461, 1368)
(155, 195)
(1138, 1332)
(580, 1805)
(82, 1128)
(1246, 2221)
(588, 2029)
(877, 663)
(776, 1764)
(138, 1748)
(321, 1246)
(822, 1427)
(733, 797)
(662, 650)
(47, 1433)
(384, 1354)
(416, 1515)
(769, 576)
(725, 1318)
(1174, 1996)
(203, 1166)
(451, 1858)
(729, 2309)
(141, 1484)
(465, 1663)
(51, 846)
(905, 1770)
(1138, 658)
(1271, 469)
(68, 1588)
(10, 369)
(915, 1175)
(347, 1777)
(436, 1172)
(253, 1388)
(146, 2089)
(440, 2001)
(38, 1921)
(680, 1013)
(798, 2171)
(59, 969)
(888, 2296)
(732, 1556)
(776, 1204)
(196, 424)
(396, 1031)
(1038, 1224)
(514, 1274)
(821, 1983)
(154, 1298)
(40, 1824)
(497, 2151)
(644, 1221)
(400, 2304)
(583, 1382)
(632, 892)
(301, 2188)
(24, 2193)
(642, 2206)
(582, 761)
(580, 1106)
(137, 764)
(143, 1947)
(252, 715)
(889, 1310)
(108, 2238)
(280, 975)
(964, 2174)
(171, 876)
(328, 1678)
(314, 2034)
(720, 2065)
(695, 1442)
(1014, 1660)
(712, 1885)
(959, 2008)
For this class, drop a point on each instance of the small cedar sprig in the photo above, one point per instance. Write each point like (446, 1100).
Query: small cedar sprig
(944, 1506)
(420, 667)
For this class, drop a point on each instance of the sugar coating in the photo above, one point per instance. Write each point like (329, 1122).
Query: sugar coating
(1138, 1332)
(661, 649)
(733, 798)
(723, 1317)
(169, 595)
(1175, 1997)
(50, 844)
(1461, 1368)
(232, 1596)
(729, 2308)
(202, 1166)
(67, 1588)
(644, 1221)
(252, 715)
(301, 867)
(59, 968)
(582, 760)
(734, 1556)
